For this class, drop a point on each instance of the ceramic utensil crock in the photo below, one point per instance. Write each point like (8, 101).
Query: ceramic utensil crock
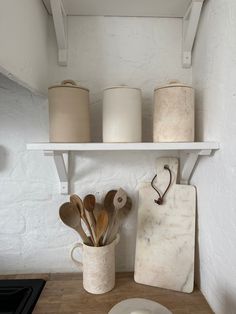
(98, 266)
(69, 113)
(122, 114)
(173, 119)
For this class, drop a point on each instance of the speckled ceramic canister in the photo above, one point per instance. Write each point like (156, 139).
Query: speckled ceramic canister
(173, 119)
(122, 115)
(69, 119)
(98, 266)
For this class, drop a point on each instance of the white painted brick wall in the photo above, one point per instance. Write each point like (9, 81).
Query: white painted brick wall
(32, 239)
(103, 51)
(214, 76)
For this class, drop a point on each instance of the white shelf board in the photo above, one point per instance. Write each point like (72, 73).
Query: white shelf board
(122, 146)
(148, 8)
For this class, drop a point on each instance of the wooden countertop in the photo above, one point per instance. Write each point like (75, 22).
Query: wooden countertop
(64, 294)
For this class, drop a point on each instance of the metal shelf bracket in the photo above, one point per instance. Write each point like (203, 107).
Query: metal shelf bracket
(190, 26)
(188, 162)
(60, 25)
(61, 160)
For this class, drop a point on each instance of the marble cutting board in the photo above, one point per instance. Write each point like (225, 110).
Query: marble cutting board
(166, 233)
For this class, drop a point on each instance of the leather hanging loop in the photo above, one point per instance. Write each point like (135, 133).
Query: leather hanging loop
(160, 200)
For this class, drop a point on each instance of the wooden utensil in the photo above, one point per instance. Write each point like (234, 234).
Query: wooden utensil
(77, 202)
(101, 226)
(71, 217)
(124, 211)
(108, 201)
(109, 207)
(89, 204)
(119, 201)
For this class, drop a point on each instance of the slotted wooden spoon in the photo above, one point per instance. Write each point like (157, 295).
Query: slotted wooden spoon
(119, 201)
(122, 213)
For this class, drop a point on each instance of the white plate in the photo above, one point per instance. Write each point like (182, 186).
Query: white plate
(139, 306)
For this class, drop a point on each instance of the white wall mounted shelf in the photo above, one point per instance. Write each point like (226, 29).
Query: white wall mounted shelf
(29, 66)
(148, 8)
(189, 10)
(188, 154)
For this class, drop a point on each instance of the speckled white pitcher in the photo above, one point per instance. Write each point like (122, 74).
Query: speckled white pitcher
(98, 266)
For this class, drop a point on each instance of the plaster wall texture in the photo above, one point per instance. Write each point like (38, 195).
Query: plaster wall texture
(142, 52)
(24, 41)
(214, 69)
(108, 51)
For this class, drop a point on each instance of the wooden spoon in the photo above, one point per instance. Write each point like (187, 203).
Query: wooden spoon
(77, 202)
(108, 201)
(101, 226)
(89, 204)
(71, 217)
(109, 207)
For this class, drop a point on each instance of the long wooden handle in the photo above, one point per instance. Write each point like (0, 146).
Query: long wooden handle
(115, 229)
(83, 216)
(107, 236)
(83, 235)
(92, 224)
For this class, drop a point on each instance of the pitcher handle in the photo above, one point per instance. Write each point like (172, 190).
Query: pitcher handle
(76, 246)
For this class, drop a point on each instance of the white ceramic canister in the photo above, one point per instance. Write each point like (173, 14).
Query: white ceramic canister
(173, 119)
(122, 114)
(69, 119)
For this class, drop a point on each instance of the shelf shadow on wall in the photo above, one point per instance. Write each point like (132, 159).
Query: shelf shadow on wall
(94, 168)
(3, 158)
(199, 115)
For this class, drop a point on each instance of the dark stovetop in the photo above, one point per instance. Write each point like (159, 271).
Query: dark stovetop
(19, 296)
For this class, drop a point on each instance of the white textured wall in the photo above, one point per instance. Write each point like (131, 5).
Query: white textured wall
(23, 42)
(214, 76)
(103, 51)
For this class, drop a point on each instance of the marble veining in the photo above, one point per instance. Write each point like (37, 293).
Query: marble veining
(166, 233)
